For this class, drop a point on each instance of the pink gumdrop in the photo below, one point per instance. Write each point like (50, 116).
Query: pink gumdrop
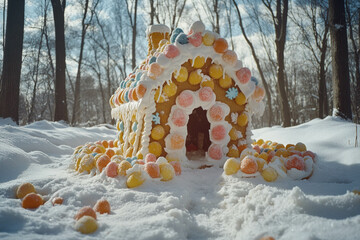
(215, 152)
(112, 169)
(155, 69)
(179, 117)
(130, 94)
(295, 162)
(218, 132)
(150, 158)
(177, 167)
(195, 39)
(171, 51)
(216, 113)
(257, 148)
(206, 94)
(243, 75)
(185, 99)
(230, 57)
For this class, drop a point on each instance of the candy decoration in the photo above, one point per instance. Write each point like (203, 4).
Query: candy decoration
(156, 118)
(258, 94)
(102, 206)
(233, 152)
(295, 162)
(243, 75)
(248, 165)
(198, 62)
(206, 94)
(157, 132)
(254, 79)
(182, 75)
(240, 99)
(110, 152)
(215, 152)
(185, 99)
(32, 200)
(182, 39)
(177, 141)
(167, 172)
(135, 179)
(152, 60)
(102, 162)
(197, 27)
(25, 189)
(86, 225)
(179, 117)
(140, 91)
(216, 113)
(231, 166)
(170, 89)
(152, 169)
(216, 71)
(195, 39)
(269, 174)
(208, 83)
(242, 120)
(154, 70)
(232, 93)
(225, 82)
(230, 57)
(177, 167)
(158, 97)
(220, 45)
(300, 147)
(85, 211)
(155, 148)
(123, 167)
(57, 201)
(233, 134)
(171, 51)
(175, 34)
(112, 169)
(195, 77)
(218, 132)
(208, 38)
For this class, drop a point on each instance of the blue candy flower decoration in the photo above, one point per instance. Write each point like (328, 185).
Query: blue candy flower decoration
(182, 39)
(134, 126)
(254, 79)
(123, 84)
(128, 159)
(231, 93)
(156, 118)
(175, 33)
(152, 60)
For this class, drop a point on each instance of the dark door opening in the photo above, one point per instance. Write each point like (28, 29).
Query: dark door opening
(198, 132)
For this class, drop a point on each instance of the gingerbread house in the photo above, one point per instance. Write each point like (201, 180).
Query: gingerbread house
(191, 93)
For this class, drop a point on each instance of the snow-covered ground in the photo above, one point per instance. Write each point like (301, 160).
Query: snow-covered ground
(199, 204)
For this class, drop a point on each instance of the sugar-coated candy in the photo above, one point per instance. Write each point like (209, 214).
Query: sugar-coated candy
(102, 162)
(57, 201)
(152, 59)
(220, 45)
(157, 132)
(231, 166)
(123, 167)
(198, 62)
(126, 95)
(243, 75)
(110, 152)
(112, 169)
(197, 27)
(218, 132)
(295, 162)
(85, 211)
(175, 34)
(140, 90)
(216, 71)
(225, 82)
(133, 94)
(152, 169)
(179, 118)
(158, 97)
(264, 156)
(155, 148)
(182, 39)
(24, 189)
(208, 38)
(177, 167)
(171, 51)
(195, 77)
(167, 172)
(177, 141)
(254, 79)
(215, 152)
(309, 153)
(134, 180)
(248, 165)
(240, 99)
(216, 113)
(233, 152)
(260, 162)
(87, 163)
(233, 134)
(257, 149)
(269, 174)
(181, 75)
(258, 94)
(242, 120)
(86, 225)
(185, 99)
(102, 206)
(154, 70)
(208, 83)
(230, 57)
(206, 94)
(195, 39)
(105, 143)
(170, 89)
(32, 200)
(300, 147)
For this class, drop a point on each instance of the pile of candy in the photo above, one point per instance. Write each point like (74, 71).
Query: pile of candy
(103, 156)
(272, 160)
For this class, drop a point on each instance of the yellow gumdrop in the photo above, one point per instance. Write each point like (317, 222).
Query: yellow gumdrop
(87, 163)
(155, 148)
(132, 138)
(123, 167)
(233, 134)
(198, 62)
(280, 146)
(240, 99)
(86, 225)
(208, 39)
(264, 156)
(157, 132)
(269, 174)
(300, 147)
(289, 146)
(134, 180)
(167, 171)
(242, 120)
(208, 83)
(157, 98)
(77, 149)
(216, 71)
(260, 142)
(195, 77)
(233, 152)
(121, 137)
(139, 155)
(182, 76)
(24, 189)
(170, 89)
(231, 166)
(260, 162)
(225, 82)
(100, 146)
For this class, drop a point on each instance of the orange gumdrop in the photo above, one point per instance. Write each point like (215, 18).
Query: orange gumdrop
(140, 91)
(177, 167)
(32, 200)
(111, 143)
(220, 45)
(152, 169)
(97, 150)
(177, 141)
(134, 95)
(110, 152)
(248, 165)
(295, 162)
(57, 201)
(102, 206)
(85, 211)
(105, 143)
(102, 162)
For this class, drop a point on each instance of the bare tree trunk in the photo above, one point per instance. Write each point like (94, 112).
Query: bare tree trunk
(61, 112)
(152, 12)
(339, 52)
(133, 50)
(216, 11)
(3, 26)
(322, 75)
(10, 78)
